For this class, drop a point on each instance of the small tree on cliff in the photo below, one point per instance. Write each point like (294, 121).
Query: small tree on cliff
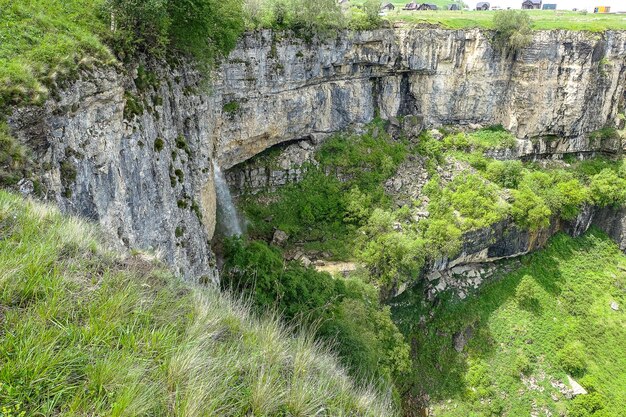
(513, 29)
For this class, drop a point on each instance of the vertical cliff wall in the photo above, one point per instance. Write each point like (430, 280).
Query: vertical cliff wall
(133, 147)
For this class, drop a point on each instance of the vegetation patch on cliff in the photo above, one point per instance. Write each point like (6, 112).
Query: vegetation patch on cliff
(87, 331)
(342, 210)
(508, 350)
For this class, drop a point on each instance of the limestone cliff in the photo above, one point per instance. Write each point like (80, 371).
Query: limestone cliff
(133, 147)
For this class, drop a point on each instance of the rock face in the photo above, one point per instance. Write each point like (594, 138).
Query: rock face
(565, 84)
(147, 178)
(133, 149)
(480, 248)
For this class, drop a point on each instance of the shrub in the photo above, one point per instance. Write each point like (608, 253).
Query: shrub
(608, 189)
(572, 194)
(505, 173)
(590, 405)
(522, 365)
(527, 292)
(159, 143)
(203, 28)
(475, 200)
(139, 24)
(306, 18)
(392, 255)
(232, 107)
(513, 29)
(443, 238)
(572, 359)
(529, 210)
(365, 16)
(606, 133)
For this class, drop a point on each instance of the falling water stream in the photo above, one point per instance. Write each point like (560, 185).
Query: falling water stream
(226, 211)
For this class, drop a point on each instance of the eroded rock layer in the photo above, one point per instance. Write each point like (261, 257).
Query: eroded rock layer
(134, 148)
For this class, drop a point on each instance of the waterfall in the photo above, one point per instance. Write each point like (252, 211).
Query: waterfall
(226, 211)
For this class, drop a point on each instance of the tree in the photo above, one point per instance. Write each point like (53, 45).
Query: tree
(529, 210)
(391, 254)
(505, 173)
(608, 189)
(513, 29)
(202, 28)
(206, 28)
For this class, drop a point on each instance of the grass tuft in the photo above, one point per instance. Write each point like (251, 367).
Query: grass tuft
(87, 331)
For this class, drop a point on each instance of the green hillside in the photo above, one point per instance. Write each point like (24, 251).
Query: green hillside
(550, 318)
(88, 331)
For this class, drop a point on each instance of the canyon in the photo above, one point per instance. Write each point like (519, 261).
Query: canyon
(134, 148)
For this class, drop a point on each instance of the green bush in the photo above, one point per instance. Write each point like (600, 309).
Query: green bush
(202, 28)
(493, 137)
(608, 189)
(392, 253)
(606, 133)
(572, 359)
(527, 292)
(590, 405)
(507, 174)
(469, 201)
(306, 18)
(513, 29)
(529, 210)
(365, 16)
(522, 365)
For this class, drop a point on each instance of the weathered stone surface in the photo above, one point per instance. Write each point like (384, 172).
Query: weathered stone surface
(565, 84)
(279, 238)
(148, 180)
(273, 88)
(577, 389)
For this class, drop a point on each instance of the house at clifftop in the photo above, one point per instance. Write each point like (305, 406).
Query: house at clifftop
(531, 4)
(427, 6)
(454, 7)
(411, 6)
(387, 7)
(483, 5)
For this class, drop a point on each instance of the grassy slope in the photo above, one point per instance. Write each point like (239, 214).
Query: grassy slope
(42, 41)
(542, 19)
(85, 331)
(577, 280)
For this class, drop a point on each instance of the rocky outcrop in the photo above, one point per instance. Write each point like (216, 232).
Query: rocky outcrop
(268, 172)
(564, 85)
(134, 148)
(481, 248)
(146, 177)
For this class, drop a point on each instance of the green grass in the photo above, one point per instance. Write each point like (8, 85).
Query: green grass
(542, 19)
(42, 42)
(573, 282)
(87, 331)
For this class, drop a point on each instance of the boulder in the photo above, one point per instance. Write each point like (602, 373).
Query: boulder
(279, 238)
